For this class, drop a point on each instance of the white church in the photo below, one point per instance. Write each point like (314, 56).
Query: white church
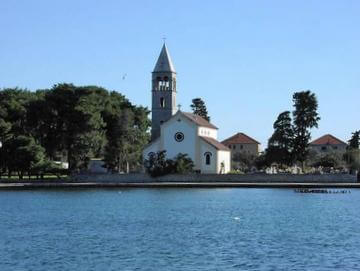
(181, 132)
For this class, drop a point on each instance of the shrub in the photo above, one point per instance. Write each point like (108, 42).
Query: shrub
(158, 165)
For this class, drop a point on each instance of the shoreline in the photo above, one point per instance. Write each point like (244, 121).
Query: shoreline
(95, 185)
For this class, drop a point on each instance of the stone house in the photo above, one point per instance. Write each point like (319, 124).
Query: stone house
(242, 143)
(327, 144)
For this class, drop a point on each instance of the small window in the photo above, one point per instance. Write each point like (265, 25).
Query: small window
(241, 147)
(162, 102)
(208, 158)
(323, 148)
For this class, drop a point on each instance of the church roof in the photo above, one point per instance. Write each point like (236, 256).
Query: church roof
(240, 138)
(164, 63)
(328, 140)
(199, 120)
(216, 144)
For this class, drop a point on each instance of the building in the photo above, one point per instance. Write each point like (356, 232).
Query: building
(328, 143)
(179, 132)
(163, 92)
(242, 143)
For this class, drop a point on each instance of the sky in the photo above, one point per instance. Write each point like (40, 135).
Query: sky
(245, 59)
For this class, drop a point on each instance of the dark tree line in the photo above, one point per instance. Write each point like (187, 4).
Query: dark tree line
(71, 123)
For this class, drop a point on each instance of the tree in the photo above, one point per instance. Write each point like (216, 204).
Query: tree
(330, 160)
(280, 145)
(183, 164)
(157, 164)
(23, 155)
(126, 133)
(352, 155)
(199, 108)
(261, 162)
(75, 123)
(354, 142)
(305, 117)
(243, 161)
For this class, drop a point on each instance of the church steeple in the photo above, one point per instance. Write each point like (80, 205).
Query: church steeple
(164, 63)
(163, 91)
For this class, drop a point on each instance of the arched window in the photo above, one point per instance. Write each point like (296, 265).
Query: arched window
(208, 158)
(166, 83)
(162, 102)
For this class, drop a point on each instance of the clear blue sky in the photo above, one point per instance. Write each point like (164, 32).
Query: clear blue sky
(244, 58)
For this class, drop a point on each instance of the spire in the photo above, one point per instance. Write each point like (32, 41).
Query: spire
(164, 63)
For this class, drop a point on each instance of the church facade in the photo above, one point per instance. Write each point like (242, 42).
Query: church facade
(181, 132)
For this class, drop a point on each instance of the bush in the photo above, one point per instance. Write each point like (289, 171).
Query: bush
(157, 164)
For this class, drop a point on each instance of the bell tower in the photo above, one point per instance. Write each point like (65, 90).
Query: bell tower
(163, 92)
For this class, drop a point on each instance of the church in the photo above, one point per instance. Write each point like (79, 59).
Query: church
(182, 132)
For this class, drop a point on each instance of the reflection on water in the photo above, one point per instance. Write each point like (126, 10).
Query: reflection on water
(179, 229)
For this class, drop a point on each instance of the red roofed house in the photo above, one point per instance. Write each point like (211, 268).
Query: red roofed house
(242, 143)
(328, 143)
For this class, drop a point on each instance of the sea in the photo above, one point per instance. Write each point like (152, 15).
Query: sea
(178, 229)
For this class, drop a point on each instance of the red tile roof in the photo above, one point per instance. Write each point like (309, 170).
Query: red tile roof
(328, 140)
(216, 144)
(199, 120)
(240, 138)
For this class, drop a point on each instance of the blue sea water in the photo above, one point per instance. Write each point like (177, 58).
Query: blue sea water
(179, 229)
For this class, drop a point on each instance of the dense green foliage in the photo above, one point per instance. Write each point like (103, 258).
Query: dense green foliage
(354, 142)
(280, 145)
(305, 117)
(329, 160)
(352, 155)
(72, 124)
(199, 108)
(159, 165)
(290, 140)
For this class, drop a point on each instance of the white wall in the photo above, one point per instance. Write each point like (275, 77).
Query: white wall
(168, 142)
(223, 157)
(204, 131)
(204, 148)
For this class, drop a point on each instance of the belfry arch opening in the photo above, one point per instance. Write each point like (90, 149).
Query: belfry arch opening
(162, 83)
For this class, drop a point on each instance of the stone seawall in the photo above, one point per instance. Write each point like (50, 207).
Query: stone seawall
(209, 178)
